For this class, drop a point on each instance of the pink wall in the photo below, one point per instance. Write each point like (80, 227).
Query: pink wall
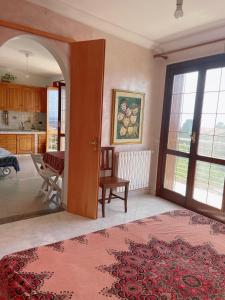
(128, 66)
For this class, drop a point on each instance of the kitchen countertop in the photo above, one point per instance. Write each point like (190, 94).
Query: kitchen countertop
(19, 131)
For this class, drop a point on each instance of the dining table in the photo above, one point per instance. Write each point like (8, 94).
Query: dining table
(55, 160)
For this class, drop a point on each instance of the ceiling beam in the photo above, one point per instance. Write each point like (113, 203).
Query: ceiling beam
(35, 31)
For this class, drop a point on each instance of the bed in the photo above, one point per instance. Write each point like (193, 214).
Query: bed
(7, 160)
(175, 255)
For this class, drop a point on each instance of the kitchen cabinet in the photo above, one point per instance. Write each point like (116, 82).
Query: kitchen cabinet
(25, 143)
(41, 99)
(8, 142)
(23, 98)
(3, 96)
(28, 99)
(42, 139)
(14, 97)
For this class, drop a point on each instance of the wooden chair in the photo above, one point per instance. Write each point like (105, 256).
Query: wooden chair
(110, 181)
(50, 177)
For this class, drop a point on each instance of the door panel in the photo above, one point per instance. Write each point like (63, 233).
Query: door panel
(182, 111)
(209, 184)
(176, 174)
(177, 149)
(212, 127)
(87, 75)
(191, 169)
(208, 187)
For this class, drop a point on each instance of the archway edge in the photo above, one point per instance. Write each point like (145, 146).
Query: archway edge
(61, 53)
(59, 50)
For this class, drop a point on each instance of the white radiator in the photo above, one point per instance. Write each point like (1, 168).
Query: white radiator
(134, 166)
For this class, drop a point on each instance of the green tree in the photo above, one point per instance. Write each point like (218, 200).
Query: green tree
(187, 126)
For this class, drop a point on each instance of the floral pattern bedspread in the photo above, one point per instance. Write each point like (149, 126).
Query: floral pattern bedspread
(175, 255)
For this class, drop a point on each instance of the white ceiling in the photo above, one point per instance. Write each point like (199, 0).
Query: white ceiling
(41, 63)
(146, 22)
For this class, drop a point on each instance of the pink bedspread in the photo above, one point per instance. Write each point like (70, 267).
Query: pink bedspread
(177, 255)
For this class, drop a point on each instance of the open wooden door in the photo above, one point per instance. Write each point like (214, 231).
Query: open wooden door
(87, 76)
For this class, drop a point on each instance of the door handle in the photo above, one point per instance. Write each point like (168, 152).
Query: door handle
(94, 142)
(193, 137)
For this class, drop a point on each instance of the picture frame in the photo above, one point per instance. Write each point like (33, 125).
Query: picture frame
(127, 117)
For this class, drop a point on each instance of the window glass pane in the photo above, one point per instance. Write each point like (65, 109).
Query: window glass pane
(177, 100)
(213, 116)
(182, 111)
(188, 103)
(221, 104)
(176, 174)
(222, 83)
(220, 125)
(208, 124)
(190, 82)
(205, 145)
(52, 121)
(178, 84)
(209, 184)
(63, 109)
(62, 143)
(219, 147)
(210, 102)
(173, 139)
(213, 77)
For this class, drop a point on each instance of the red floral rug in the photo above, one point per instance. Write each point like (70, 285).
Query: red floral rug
(161, 270)
(174, 256)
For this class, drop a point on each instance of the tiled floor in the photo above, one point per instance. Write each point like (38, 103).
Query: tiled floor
(20, 191)
(63, 225)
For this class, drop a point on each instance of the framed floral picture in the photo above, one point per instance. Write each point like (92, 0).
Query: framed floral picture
(127, 117)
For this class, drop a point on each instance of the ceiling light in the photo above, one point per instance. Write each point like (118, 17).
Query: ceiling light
(179, 11)
(27, 54)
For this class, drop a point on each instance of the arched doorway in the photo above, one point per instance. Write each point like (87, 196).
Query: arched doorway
(83, 68)
(33, 68)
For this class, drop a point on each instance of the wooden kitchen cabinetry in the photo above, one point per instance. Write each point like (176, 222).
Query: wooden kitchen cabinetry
(28, 99)
(25, 143)
(41, 100)
(3, 96)
(14, 98)
(42, 138)
(8, 142)
(22, 98)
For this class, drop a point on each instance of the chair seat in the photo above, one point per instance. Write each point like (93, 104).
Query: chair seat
(111, 182)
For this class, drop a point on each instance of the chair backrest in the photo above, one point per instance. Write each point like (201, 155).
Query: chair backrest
(38, 162)
(107, 159)
(42, 168)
